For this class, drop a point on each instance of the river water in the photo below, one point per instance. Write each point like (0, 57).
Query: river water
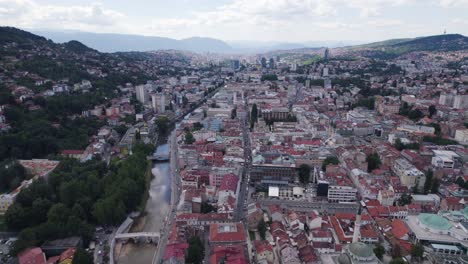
(157, 208)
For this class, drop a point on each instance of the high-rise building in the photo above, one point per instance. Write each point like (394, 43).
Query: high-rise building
(158, 102)
(325, 72)
(460, 101)
(446, 99)
(162, 105)
(326, 54)
(141, 94)
(235, 64)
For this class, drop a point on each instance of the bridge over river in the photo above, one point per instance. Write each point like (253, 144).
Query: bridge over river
(139, 237)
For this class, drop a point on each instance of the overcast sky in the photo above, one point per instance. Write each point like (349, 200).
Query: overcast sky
(258, 20)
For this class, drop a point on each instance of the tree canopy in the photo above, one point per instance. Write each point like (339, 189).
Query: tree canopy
(304, 173)
(76, 197)
(373, 162)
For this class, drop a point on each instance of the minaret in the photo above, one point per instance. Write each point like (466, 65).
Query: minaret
(357, 225)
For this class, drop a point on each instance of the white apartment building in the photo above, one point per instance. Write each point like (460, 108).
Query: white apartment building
(338, 193)
(444, 159)
(416, 129)
(461, 135)
(409, 175)
(141, 94)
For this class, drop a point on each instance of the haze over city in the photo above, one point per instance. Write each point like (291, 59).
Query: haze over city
(234, 20)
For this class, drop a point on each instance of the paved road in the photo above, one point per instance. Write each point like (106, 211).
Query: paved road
(241, 201)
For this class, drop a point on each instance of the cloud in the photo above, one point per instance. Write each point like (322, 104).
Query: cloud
(29, 14)
(453, 3)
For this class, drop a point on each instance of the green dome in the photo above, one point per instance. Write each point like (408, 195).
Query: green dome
(361, 250)
(434, 221)
(344, 259)
(465, 211)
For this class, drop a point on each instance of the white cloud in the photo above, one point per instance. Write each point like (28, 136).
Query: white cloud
(29, 14)
(453, 3)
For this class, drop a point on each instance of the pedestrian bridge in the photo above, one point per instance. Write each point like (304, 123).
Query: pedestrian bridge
(158, 157)
(140, 237)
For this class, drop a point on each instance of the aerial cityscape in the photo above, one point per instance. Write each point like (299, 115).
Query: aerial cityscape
(123, 145)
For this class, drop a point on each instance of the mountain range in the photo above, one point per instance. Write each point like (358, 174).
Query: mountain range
(106, 42)
(125, 42)
(446, 42)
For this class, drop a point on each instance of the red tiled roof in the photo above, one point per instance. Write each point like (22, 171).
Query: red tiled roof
(399, 229)
(372, 203)
(227, 233)
(233, 254)
(53, 260)
(229, 182)
(175, 250)
(72, 152)
(31, 256)
(261, 246)
(67, 254)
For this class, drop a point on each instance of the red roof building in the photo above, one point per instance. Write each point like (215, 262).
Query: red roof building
(233, 254)
(32, 256)
(227, 233)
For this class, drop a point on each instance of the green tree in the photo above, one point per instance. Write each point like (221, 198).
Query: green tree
(82, 257)
(196, 251)
(397, 260)
(304, 173)
(253, 115)
(432, 110)
(197, 126)
(373, 162)
(435, 186)
(429, 181)
(329, 160)
(162, 123)
(417, 251)
(379, 251)
(189, 139)
(234, 113)
(137, 135)
(405, 199)
(207, 208)
(269, 77)
(262, 229)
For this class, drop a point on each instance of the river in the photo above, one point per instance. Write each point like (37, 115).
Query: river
(157, 208)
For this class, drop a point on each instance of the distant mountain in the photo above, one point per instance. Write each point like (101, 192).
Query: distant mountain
(106, 42)
(446, 42)
(77, 47)
(11, 34)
